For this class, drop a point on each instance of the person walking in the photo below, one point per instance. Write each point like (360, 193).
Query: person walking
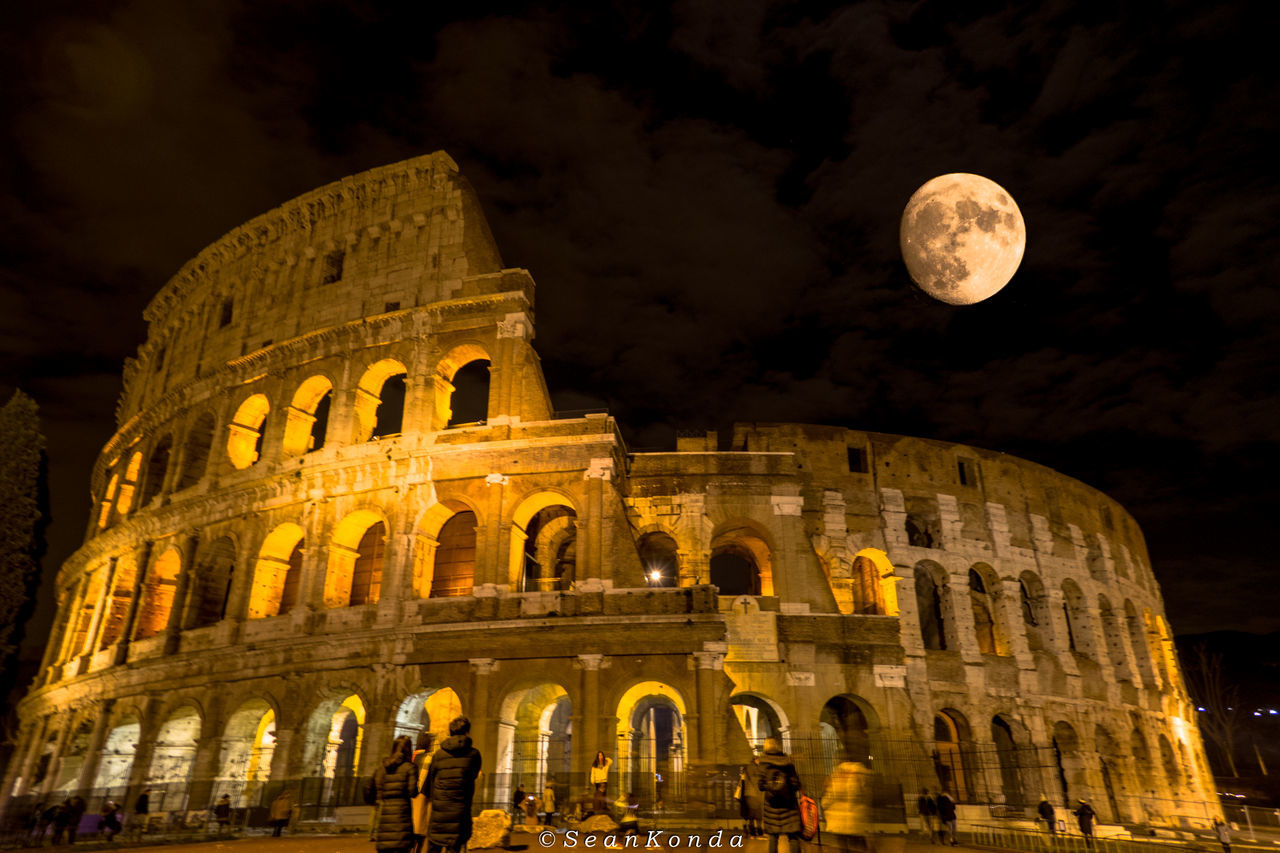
(1048, 815)
(394, 786)
(222, 813)
(947, 817)
(753, 799)
(422, 802)
(1223, 832)
(780, 789)
(846, 805)
(1084, 816)
(281, 811)
(927, 808)
(109, 820)
(451, 782)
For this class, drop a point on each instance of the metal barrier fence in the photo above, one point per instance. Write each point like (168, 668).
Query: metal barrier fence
(1042, 842)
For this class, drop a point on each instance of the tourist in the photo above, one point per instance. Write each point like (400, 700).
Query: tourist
(281, 811)
(422, 802)
(751, 805)
(1084, 816)
(517, 800)
(1047, 814)
(600, 773)
(451, 782)
(846, 805)
(394, 786)
(222, 813)
(549, 799)
(77, 806)
(947, 817)
(62, 821)
(109, 820)
(927, 808)
(1223, 832)
(780, 787)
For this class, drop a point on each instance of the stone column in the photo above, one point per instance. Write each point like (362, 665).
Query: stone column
(493, 555)
(204, 771)
(792, 548)
(24, 759)
(93, 753)
(397, 577)
(483, 728)
(708, 725)
(1009, 607)
(186, 577)
(591, 544)
(962, 616)
(593, 737)
(1058, 618)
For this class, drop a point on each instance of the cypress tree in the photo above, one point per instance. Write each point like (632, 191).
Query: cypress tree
(24, 515)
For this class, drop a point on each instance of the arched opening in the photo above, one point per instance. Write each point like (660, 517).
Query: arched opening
(741, 561)
(124, 499)
(356, 555)
(1109, 768)
(469, 403)
(123, 583)
(379, 403)
(1138, 642)
(428, 711)
(307, 418)
(951, 741)
(1111, 631)
(1142, 764)
(1069, 764)
(157, 468)
(248, 745)
(844, 732)
(544, 534)
(659, 558)
(984, 623)
(332, 753)
(868, 594)
(1034, 605)
(108, 497)
(1007, 756)
(759, 719)
(535, 740)
(244, 445)
(115, 762)
(651, 743)
(277, 574)
(455, 559)
(84, 620)
(929, 598)
(157, 601)
(1079, 637)
(172, 757)
(1170, 764)
(73, 755)
(213, 584)
(195, 456)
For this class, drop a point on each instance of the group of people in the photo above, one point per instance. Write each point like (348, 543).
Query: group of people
(938, 813)
(424, 798)
(1084, 813)
(768, 797)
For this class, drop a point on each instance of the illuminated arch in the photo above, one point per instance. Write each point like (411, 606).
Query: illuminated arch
(1033, 604)
(875, 588)
(846, 726)
(307, 418)
(119, 598)
(760, 717)
(356, 556)
(531, 514)
(73, 755)
(373, 419)
(741, 559)
(952, 739)
(248, 746)
(195, 456)
(244, 444)
(533, 738)
(651, 740)
(444, 550)
(1069, 763)
(984, 592)
(108, 496)
(124, 500)
(157, 600)
(115, 762)
(659, 558)
(429, 711)
(172, 758)
(446, 371)
(277, 571)
(334, 739)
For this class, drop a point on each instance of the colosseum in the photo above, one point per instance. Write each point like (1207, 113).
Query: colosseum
(339, 506)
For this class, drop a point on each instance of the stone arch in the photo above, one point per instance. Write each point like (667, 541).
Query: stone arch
(1112, 635)
(214, 573)
(933, 604)
(307, 418)
(380, 401)
(195, 451)
(153, 479)
(277, 575)
(1035, 609)
(651, 741)
(1076, 611)
(108, 498)
(659, 558)
(534, 738)
(1069, 765)
(115, 762)
(429, 710)
(1142, 760)
(1011, 743)
(357, 553)
(1111, 772)
(984, 586)
(952, 750)
(873, 583)
(248, 746)
(526, 566)
(1169, 763)
(468, 398)
(247, 427)
(157, 598)
(741, 559)
(128, 488)
(846, 726)
(760, 717)
(73, 756)
(444, 556)
(334, 739)
(172, 758)
(1138, 642)
(124, 583)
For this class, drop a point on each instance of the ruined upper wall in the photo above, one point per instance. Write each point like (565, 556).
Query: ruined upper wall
(391, 238)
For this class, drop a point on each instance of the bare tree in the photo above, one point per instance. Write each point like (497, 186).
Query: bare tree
(1220, 701)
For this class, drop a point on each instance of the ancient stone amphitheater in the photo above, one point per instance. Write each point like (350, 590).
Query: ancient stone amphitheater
(339, 506)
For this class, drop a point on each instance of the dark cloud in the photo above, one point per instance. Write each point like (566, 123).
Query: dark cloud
(709, 200)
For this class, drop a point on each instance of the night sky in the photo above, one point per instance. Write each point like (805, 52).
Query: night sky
(708, 196)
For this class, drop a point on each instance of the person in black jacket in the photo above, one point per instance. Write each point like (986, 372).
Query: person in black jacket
(947, 817)
(780, 785)
(1084, 816)
(452, 784)
(395, 784)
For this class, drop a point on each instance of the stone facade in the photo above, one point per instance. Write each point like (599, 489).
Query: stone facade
(299, 549)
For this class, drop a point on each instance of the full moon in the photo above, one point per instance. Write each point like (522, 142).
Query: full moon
(962, 238)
